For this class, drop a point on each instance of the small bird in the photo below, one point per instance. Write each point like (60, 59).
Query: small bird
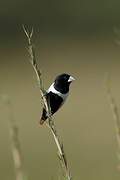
(57, 94)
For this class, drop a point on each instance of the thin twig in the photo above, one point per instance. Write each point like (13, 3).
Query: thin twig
(115, 113)
(50, 123)
(15, 141)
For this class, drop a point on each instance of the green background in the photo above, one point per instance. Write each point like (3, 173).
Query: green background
(70, 36)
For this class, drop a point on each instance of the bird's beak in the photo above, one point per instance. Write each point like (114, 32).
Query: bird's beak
(71, 79)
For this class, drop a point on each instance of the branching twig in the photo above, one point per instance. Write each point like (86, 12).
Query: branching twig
(50, 122)
(115, 113)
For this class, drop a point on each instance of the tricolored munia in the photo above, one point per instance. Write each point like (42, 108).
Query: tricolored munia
(57, 94)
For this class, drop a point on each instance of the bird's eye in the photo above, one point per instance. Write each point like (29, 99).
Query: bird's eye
(65, 78)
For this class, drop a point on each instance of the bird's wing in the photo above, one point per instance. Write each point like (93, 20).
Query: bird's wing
(55, 101)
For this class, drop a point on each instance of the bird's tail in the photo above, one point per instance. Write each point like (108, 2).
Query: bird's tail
(42, 121)
(44, 117)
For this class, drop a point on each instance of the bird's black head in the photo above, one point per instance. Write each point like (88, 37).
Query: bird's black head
(62, 83)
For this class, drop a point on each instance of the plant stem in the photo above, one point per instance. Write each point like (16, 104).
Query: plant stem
(115, 113)
(50, 123)
(15, 141)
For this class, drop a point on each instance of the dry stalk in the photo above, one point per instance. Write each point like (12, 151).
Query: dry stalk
(50, 123)
(15, 141)
(115, 114)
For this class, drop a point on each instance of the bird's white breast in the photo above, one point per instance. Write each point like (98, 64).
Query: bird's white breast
(53, 90)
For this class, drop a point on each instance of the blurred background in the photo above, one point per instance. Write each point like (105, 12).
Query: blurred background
(76, 37)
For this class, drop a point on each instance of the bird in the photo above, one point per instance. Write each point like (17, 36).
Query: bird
(57, 94)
